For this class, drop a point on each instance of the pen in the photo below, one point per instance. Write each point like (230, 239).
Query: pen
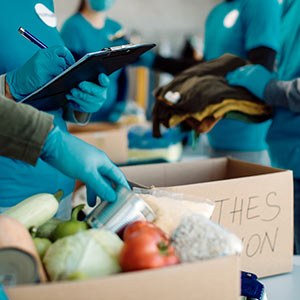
(31, 38)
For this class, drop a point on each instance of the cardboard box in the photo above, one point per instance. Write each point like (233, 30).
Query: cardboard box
(108, 137)
(253, 201)
(213, 279)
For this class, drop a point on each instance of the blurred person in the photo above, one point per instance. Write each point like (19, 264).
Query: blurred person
(90, 30)
(282, 90)
(248, 29)
(17, 179)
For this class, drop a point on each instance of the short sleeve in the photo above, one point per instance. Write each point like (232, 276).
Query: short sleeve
(261, 22)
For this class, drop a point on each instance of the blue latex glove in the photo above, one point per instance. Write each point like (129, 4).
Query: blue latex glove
(89, 97)
(38, 70)
(252, 77)
(82, 161)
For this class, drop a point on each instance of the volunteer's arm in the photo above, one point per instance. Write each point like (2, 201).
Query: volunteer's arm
(23, 130)
(263, 56)
(263, 84)
(27, 134)
(173, 66)
(283, 93)
(170, 65)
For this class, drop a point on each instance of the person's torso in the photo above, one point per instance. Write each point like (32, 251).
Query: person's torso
(91, 40)
(35, 16)
(225, 33)
(19, 180)
(284, 134)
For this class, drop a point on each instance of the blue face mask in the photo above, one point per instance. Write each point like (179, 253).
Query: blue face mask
(100, 5)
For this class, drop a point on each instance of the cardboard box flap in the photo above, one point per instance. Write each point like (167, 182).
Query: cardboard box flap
(184, 173)
(96, 126)
(237, 169)
(108, 138)
(211, 279)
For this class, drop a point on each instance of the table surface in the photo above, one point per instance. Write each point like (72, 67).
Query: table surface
(286, 286)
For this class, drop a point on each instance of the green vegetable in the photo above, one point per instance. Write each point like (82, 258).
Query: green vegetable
(93, 253)
(70, 227)
(35, 210)
(77, 276)
(41, 245)
(46, 230)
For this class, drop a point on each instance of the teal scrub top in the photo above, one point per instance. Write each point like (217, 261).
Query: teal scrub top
(81, 38)
(237, 27)
(19, 180)
(284, 134)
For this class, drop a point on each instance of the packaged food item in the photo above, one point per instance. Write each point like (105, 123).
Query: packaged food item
(170, 207)
(198, 238)
(114, 216)
(18, 254)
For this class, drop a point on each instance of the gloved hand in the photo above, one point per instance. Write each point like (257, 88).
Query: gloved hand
(145, 60)
(38, 70)
(89, 97)
(252, 77)
(82, 161)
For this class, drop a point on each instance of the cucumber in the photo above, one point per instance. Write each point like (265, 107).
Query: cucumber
(35, 210)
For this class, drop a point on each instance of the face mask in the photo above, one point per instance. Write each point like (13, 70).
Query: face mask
(100, 5)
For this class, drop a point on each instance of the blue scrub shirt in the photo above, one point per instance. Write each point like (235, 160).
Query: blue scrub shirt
(237, 27)
(81, 38)
(284, 134)
(19, 180)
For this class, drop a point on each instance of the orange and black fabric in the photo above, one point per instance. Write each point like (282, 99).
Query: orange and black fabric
(199, 87)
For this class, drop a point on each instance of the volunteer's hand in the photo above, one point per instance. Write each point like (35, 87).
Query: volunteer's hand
(38, 70)
(89, 97)
(252, 77)
(82, 161)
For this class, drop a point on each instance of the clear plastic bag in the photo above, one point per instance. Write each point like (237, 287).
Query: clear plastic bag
(198, 238)
(170, 207)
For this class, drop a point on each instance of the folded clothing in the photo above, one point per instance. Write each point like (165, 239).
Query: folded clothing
(141, 137)
(144, 147)
(172, 153)
(202, 89)
(229, 108)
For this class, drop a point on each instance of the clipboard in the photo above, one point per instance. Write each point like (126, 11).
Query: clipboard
(51, 96)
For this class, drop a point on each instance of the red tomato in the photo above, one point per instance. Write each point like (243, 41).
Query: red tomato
(146, 249)
(137, 225)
